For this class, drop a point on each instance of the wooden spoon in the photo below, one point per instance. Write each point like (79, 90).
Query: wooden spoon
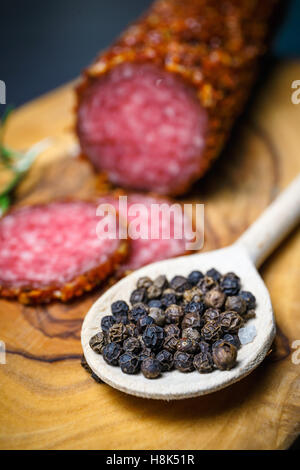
(243, 257)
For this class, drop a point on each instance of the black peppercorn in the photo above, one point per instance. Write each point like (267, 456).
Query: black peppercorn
(203, 362)
(180, 284)
(170, 343)
(204, 346)
(132, 329)
(153, 337)
(107, 322)
(249, 299)
(129, 363)
(85, 365)
(165, 358)
(138, 296)
(96, 378)
(249, 314)
(139, 310)
(119, 311)
(230, 321)
(97, 342)
(177, 294)
(161, 282)
(192, 307)
(158, 316)
(217, 343)
(236, 303)
(168, 298)
(146, 352)
(144, 282)
(153, 292)
(230, 284)
(233, 339)
(191, 333)
(172, 330)
(206, 284)
(211, 331)
(214, 298)
(224, 355)
(155, 303)
(174, 314)
(132, 345)
(151, 368)
(187, 345)
(194, 277)
(119, 308)
(191, 323)
(214, 274)
(183, 361)
(111, 353)
(117, 333)
(143, 322)
(211, 314)
(193, 295)
(191, 320)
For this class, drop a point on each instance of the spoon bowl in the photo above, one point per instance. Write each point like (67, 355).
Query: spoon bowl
(242, 257)
(176, 385)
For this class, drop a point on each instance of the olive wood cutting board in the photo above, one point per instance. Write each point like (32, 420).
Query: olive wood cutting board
(49, 402)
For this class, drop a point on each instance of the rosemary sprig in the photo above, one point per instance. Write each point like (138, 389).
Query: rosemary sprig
(17, 163)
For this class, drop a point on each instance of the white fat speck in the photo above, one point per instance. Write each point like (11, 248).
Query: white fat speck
(169, 111)
(26, 256)
(198, 141)
(149, 137)
(166, 130)
(127, 72)
(173, 168)
(247, 334)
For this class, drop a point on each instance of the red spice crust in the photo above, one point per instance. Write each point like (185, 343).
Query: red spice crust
(212, 45)
(79, 285)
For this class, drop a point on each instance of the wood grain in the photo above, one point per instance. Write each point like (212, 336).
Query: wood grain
(49, 402)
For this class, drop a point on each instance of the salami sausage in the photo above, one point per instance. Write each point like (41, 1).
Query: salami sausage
(53, 252)
(156, 108)
(148, 247)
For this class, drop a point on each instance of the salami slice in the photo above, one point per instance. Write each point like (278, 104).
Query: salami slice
(53, 252)
(169, 237)
(157, 107)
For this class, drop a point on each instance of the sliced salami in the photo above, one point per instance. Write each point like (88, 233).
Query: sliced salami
(53, 252)
(169, 236)
(157, 107)
(144, 127)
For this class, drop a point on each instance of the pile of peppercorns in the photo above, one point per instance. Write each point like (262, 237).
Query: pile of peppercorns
(188, 323)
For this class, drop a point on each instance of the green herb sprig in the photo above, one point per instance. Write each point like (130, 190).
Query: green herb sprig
(17, 162)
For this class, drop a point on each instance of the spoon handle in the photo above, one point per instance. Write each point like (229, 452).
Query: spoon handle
(277, 221)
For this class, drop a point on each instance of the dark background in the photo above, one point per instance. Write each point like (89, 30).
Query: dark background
(44, 44)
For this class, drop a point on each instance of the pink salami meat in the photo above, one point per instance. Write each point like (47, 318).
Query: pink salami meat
(169, 240)
(144, 127)
(156, 107)
(53, 251)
